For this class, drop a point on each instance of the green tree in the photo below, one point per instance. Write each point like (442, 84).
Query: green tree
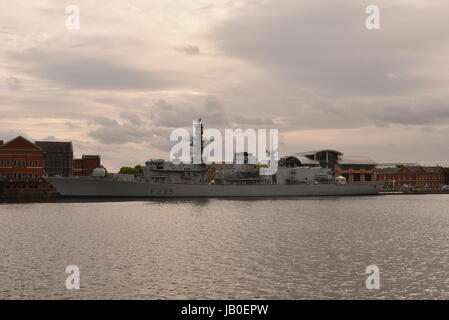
(138, 168)
(130, 170)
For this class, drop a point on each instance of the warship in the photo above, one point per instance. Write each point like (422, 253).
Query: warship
(243, 178)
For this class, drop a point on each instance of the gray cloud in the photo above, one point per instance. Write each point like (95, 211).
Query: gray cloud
(7, 135)
(131, 117)
(325, 46)
(50, 138)
(190, 50)
(154, 128)
(94, 74)
(361, 112)
(421, 113)
(13, 83)
(211, 111)
(72, 68)
(173, 116)
(112, 132)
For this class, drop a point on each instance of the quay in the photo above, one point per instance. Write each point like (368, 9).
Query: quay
(415, 191)
(34, 189)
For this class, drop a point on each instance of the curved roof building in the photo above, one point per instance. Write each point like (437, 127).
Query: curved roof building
(353, 168)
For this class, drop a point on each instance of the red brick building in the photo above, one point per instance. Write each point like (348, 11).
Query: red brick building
(416, 176)
(21, 170)
(20, 159)
(86, 165)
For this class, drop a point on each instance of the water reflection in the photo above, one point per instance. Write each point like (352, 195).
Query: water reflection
(227, 248)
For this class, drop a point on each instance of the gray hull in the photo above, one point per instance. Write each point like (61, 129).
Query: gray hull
(92, 187)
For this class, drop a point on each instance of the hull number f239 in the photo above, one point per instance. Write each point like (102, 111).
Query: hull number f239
(161, 191)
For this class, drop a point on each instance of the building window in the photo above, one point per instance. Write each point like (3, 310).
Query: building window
(368, 177)
(356, 167)
(356, 176)
(19, 163)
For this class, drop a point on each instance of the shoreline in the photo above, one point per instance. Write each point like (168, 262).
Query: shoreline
(61, 199)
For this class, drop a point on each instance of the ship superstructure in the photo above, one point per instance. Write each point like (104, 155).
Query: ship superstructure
(163, 178)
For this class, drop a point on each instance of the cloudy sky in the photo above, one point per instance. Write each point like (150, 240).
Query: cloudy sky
(136, 69)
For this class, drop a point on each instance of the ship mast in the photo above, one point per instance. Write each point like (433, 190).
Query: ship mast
(201, 138)
(197, 142)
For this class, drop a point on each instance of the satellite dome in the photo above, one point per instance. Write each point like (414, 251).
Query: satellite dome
(99, 172)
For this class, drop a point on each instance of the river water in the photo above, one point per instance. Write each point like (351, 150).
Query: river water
(305, 248)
